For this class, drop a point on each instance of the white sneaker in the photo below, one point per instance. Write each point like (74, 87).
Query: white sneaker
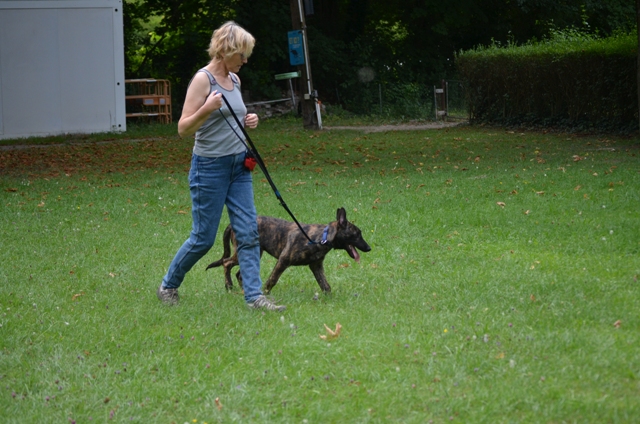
(168, 296)
(262, 302)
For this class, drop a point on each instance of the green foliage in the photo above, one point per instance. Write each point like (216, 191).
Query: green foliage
(464, 310)
(573, 79)
(404, 43)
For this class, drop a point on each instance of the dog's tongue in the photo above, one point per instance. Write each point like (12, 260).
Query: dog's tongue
(354, 253)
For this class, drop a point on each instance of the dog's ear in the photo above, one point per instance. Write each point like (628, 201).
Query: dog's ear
(341, 217)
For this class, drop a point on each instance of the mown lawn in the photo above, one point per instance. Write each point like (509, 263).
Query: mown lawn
(502, 285)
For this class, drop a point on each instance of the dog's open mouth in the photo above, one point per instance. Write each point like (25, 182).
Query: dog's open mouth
(353, 253)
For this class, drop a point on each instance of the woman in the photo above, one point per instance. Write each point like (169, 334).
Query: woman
(218, 176)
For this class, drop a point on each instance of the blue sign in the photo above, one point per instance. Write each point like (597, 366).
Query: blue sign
(296, 50)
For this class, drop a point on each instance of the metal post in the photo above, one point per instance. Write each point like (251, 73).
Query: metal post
(446, 96)
(441, 100)
(310, 106)
(293, 95)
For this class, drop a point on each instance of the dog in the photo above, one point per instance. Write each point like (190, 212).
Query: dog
(284, 241)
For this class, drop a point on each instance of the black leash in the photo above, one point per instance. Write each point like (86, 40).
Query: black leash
(263, 167)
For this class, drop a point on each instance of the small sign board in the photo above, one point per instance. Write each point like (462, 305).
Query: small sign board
(296, 50)
(288, 75)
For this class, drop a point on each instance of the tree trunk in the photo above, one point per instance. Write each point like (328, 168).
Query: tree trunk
(638, 66)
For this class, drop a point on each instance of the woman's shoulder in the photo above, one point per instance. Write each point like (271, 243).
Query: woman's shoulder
(201, 76)
(235, 78)
(200, 84)
(205, 74)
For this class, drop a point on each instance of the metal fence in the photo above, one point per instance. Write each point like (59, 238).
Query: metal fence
(407, 100)
(450, 101)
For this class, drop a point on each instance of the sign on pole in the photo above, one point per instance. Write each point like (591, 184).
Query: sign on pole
(296, 51)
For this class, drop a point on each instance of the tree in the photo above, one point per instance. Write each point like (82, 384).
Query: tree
(399, 42)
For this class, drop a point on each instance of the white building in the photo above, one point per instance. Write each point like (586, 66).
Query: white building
(61, 67)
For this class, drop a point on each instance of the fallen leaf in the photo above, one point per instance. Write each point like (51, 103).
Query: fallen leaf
(501, 204)
(218, 404)
(578, 187)
(331, 334)
(577, 158)
(76, 296)
(532, 298)
(11, 190)
(617, 324)
(527, 212)
(539, 193)
(182, 212)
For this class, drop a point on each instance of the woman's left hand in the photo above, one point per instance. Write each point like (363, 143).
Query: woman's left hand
(251, 120)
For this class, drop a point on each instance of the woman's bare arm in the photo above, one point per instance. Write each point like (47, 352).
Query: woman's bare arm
(198, 105)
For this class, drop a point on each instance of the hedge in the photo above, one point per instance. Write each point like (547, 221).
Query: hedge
(572, 81)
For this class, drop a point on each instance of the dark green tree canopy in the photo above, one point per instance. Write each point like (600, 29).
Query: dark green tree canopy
(390, 41)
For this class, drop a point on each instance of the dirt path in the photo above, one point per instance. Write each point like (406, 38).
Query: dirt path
(401, 127)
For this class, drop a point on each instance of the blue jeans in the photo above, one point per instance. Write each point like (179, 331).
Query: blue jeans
(214, 183)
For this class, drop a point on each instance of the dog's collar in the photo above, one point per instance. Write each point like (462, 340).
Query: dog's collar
(324, 236)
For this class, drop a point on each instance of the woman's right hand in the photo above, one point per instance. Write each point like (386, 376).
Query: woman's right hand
(213, 101)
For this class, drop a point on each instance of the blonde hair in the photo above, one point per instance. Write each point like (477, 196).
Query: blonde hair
(230, 39)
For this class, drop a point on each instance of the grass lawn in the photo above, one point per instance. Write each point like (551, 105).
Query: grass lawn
(502, 285)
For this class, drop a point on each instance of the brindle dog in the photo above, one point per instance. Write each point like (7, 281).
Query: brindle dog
(284, 241)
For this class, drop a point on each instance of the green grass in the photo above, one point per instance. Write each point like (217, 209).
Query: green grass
(464, 310)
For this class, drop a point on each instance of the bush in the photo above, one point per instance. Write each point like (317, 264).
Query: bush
(572, 80)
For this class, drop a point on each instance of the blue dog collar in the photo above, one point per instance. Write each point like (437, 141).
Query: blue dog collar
(324, 235)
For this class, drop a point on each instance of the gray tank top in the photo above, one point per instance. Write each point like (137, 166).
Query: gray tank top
(216, 137)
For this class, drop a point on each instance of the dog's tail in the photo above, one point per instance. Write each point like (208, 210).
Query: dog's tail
(226, 243)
